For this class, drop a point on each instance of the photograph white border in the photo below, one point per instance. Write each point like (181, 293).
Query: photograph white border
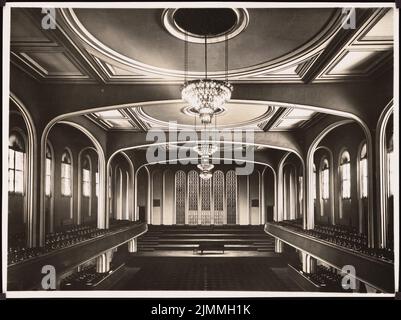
(181, 294)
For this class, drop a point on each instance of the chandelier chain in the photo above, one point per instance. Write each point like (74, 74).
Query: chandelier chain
(226, 56)
(205, 56)
(186, 57)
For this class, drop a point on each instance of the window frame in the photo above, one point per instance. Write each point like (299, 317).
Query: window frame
(63, 178)
(363, 171)
(325, 185)
(314, 185)
(49, 170)
(390, 162)
(345, 175)
(14, 150)
(86, 178)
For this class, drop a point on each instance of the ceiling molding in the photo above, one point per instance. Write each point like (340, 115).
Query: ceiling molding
(274, 119)
(316, 61)
(350, 42)
(288, 120)
(114, 120)
(57, 41)
(263, 72)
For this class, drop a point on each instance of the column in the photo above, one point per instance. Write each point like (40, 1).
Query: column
(308, 263)
(278, 246)
(133, 245)
(103, 207)
(309, 213)
(103, 262)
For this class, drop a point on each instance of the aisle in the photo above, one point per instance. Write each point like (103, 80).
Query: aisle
(230, 273)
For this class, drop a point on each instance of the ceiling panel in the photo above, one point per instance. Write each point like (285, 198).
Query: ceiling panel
(383, 29)
(55, 63)
(356, 62)
(132, 46)
(24, 30)
(110, 114)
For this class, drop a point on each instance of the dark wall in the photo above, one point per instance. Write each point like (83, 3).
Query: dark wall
(323, 211)
(61, 137)
(292, 172)
(347, 137)
(119, 162)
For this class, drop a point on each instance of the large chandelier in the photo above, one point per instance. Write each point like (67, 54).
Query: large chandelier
(205, 95)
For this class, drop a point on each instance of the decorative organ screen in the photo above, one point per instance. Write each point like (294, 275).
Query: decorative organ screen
(193, 190)
(180, 182)
(205, 192)
(231, 196)
(218, 197)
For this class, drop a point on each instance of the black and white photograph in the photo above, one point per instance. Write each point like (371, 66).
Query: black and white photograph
(200, 150)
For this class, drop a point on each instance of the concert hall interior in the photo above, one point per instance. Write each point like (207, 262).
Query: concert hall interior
(111, 182)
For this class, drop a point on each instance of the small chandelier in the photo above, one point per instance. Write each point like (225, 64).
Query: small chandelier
(205, 95)
(205, 175)
(205, 149)
(205, 167)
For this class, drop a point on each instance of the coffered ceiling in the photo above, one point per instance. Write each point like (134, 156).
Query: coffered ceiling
(136, 46)
(176, 115)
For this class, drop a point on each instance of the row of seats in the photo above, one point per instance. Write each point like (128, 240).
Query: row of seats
(62, 238)
(327, 279)
(344, 236)
(85, 279)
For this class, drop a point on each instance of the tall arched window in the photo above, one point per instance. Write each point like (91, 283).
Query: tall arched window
(314, 182)
(127, 208)
(86, 177)
(193, 196)
(180, 191)
(66, 174)
(231, 196)
(345, 175)
(218, 197)
(119, 187)
(110, 192)
(97, 183)
(325, 180)
(48, 179)
(363, 171)
(300, 194)
(16, 163)
(391, 166)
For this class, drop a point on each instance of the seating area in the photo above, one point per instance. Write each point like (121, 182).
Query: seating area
(61, 239)
(87, 278)
(343, 236)
(326, 279)
(206, 238)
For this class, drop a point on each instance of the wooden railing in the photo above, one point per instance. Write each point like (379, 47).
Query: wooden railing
(28, 275)
(374, 272)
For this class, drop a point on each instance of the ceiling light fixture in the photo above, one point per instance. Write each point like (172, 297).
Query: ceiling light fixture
(205, 149)
(205, 95)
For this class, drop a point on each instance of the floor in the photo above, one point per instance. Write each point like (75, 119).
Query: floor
(216, 254)
(206, 273)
